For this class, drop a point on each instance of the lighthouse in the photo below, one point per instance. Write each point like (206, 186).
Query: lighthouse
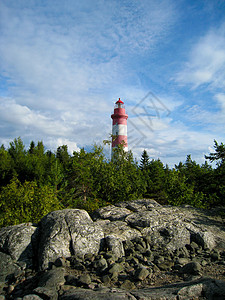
(119, 126)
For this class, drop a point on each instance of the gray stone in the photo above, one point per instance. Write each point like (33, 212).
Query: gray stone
(139, 205)
(206, 239)
(32, 297)
(191, 268)
(17, 242)
(106, 279)
(116, 268)
(67, 232)
(111, 213)
(214, 256)
(47, 293)
(166, 266)
(7, 267)
(52, 279)
(71, 280)
(119, 229)
(85, 279)
(60, 262)
(182, 261)
(98, 294)
(115, 245)
(100, 264)
(128, 285)
(142, 273)
(188, 292)
(143, 219)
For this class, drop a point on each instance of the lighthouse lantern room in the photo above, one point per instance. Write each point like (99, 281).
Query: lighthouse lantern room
(119, 126)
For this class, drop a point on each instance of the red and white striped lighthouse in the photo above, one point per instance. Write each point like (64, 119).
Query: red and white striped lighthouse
(119, 126)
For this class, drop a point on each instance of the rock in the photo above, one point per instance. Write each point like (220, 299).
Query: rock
(7, 267)
(188, 292)
(139, 205)
(119, 229)
(60, 262)
(143, 219)
(46, 293)
(199, 289)
(214, 289)
(98, 294)
(52, 279)
(139, 245)
(67, 232)
(182, 261)
(17, 242)
(214, 256)
(115, 245)
(101, 265)
(193, 268)
(76, 263)
(166, 266)
(106, 279)
(128, 285)
(205, 239)
(31, 297)
(111, 213)
(84, 279)
(141, 273)
(116, 269)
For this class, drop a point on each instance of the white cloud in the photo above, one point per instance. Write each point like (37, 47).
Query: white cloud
(65, 63)
(22, 117)
(206, 62)
(55, 143)
(221, 101)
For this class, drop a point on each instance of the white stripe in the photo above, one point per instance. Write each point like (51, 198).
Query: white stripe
(119, 129)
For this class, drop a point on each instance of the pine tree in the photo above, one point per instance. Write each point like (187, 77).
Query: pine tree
(144, 162)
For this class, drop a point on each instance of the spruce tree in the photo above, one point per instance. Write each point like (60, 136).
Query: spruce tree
(144, 162)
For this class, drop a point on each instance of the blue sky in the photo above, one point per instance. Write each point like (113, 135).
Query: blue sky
(63, 64)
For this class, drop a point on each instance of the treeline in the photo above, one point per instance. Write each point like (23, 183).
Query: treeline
(34, 182)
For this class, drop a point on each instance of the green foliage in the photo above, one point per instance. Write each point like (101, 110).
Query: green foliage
(25, 202)
(219, 154)
(34, 181)
(144, 162)
(180, 192)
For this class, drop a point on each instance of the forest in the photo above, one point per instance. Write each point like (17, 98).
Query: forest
(35, 181)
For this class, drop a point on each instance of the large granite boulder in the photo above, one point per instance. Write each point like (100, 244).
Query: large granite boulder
(65, 233)
(18, 241)
(164, 226)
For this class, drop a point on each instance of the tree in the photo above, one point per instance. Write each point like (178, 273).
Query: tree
(154, 176)
(144, 162)
(18, 154)
(218, 155)
(63, 156)
(218, 179)
(6, 166)
(179, 191)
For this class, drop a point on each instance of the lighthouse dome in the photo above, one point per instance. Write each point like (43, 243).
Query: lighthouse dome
(119, 102)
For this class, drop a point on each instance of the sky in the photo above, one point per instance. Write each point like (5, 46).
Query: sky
(63, 65)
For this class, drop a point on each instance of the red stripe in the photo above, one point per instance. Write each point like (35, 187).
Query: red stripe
(120, 121)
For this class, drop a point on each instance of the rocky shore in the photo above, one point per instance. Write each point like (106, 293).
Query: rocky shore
(133, 250)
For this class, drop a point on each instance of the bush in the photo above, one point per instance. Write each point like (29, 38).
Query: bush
(21, 203)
